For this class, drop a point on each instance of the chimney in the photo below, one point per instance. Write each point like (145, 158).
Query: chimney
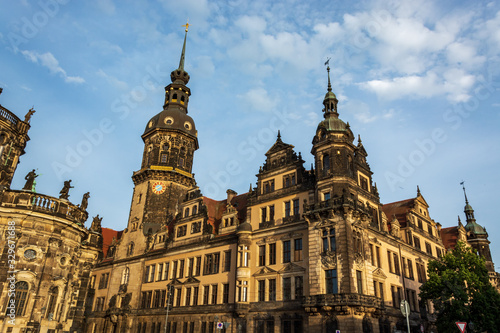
(230, 195)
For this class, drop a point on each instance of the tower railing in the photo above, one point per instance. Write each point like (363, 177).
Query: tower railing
(27, 200)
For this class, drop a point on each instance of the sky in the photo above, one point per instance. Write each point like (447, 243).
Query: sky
(417, 80)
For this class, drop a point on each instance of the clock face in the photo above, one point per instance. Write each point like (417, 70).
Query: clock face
(158, 187)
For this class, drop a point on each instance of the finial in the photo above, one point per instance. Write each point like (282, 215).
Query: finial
(459, 221)
(186, 25)
(181, 62)
(359, 139)
(279, 135)
(465, 194)
(347, 125)
(418, 190)
(327, 64)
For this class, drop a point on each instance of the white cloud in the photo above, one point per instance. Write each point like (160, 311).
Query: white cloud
(113, 80)
(258, 99)
(455, 83)
(48, 60)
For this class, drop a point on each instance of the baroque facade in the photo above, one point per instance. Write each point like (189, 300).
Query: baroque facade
(304, 250)
(46, 252)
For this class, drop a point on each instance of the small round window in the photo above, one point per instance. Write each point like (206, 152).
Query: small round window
(63, 261)
(169, 120)
(30, 254)
(187, 125)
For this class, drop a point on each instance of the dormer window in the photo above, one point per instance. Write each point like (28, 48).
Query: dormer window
(186, 212)
(195, 210)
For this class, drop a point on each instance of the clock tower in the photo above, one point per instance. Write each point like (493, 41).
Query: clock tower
(170, 140)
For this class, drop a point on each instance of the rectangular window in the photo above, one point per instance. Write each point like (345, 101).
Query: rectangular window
(227, 261)
(272, 289)
(372, 254)
(214, 293)
(225, 293)
(181, 269)
(146, 299)
(299, 287)
(211, 263)
(165, 271)
(396, 264)
(263, 214)
(286, 251)
(271, 213)
(262, 255)
(178, 298)
(296, 207)
(206, 294)
(428, 248)
(331, 281)
(287, 208)
(160, 272)
(326, 196)
(381, 289)
(198, 266)
(195, 295)
(188, 297)
(272, 254)
(297, 253)
(163, 158)
(190, 267)
(416, 241)
(262, 290)
(410, 269)
(359, 282)
(389, 261)
(377, 251)
(287, 288)
(397, 296)
(174, 270)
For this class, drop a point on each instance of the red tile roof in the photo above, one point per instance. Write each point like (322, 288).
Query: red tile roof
(398, 209)
(449, 237)
(107, 239)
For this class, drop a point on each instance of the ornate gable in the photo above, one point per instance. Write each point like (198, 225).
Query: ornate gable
(291, 268)
(379, 273)
(265, 271)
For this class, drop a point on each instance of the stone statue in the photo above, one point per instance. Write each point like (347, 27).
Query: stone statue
(85, 201)
(28, 115)
(30, 180)
(64, 194)
(96, 224)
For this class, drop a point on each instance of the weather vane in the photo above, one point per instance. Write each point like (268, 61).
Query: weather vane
(327, 62)
(186, 25)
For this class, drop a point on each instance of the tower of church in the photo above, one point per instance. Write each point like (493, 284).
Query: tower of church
(13, 139)
(340, 165)
(170, 140)
(477, 236)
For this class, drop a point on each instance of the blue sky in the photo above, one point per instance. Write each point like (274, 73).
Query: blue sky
(418, 80)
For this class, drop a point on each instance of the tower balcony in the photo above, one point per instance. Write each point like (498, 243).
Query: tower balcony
(13, 121)
(25, 200)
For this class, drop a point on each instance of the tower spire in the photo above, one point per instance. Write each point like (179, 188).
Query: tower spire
(330, 101)
(181, 62)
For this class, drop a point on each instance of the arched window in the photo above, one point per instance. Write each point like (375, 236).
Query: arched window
(174, 98)
(182, 99)
(130, 249)
(195, 210)
(52, 303)
(20, 299)
(186, 212)
(326, 164)
(125, 275)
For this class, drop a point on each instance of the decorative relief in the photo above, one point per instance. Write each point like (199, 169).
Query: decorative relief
(358, 260)
(329, 260)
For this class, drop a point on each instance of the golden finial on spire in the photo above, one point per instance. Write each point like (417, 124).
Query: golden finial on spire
(186, 25)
